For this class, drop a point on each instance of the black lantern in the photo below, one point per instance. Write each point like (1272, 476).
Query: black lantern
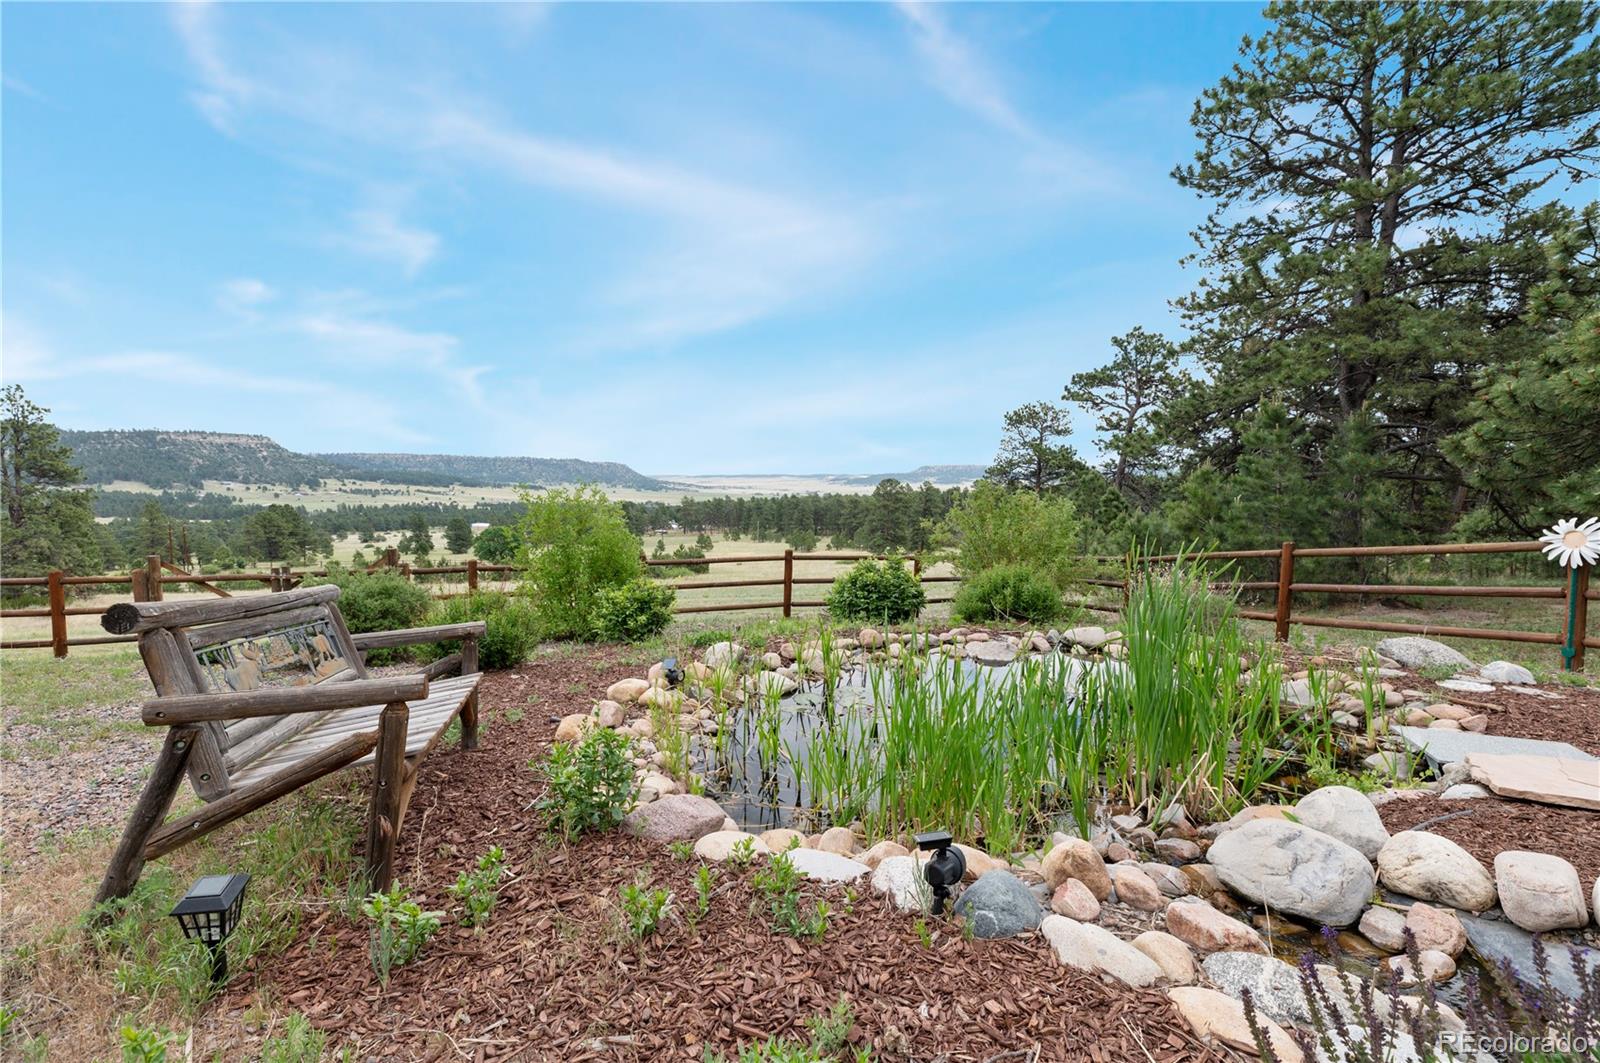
(944, 868)
(209, 912)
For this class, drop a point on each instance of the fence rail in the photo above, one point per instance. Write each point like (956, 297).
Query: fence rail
(148, 581)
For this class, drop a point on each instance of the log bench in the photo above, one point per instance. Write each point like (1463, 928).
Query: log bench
(262, 695)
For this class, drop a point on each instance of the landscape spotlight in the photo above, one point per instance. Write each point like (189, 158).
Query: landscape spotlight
(209, 912)
(944, 868)
(671, 672)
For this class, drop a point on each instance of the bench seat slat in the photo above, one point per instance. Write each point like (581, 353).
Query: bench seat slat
(428, 718)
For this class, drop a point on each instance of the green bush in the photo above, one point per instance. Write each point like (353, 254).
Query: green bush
(378, 601)
(877, 592)
(498, 545)
(578, 544)
(633, 612)
(993, 526)
(591, 783)
(1009, 592)
(511, 628)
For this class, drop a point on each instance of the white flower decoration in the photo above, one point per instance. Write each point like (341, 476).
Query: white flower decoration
(1571, 544)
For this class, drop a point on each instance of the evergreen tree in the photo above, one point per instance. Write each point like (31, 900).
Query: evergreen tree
(418, 539)
(1030, 456)
(47, 524)
(1272, 496)
(1125, 396)
(458, 534)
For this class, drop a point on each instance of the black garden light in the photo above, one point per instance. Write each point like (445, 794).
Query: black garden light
(671, 672)
(209, 912)
(944, 868)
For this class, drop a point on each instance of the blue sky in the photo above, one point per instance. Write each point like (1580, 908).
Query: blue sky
(697, 238)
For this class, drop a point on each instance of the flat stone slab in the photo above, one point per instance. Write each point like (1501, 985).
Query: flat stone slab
(1550, 780)
(1448, 747)
(1497, 942)
(1465, 686)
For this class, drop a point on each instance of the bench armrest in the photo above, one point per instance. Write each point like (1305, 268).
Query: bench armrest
(277, 701)
(412, 636)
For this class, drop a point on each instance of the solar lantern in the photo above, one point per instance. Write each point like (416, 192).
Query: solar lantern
(209, 912)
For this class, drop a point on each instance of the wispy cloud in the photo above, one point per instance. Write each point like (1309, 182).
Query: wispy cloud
(243, 296)
(960, 73)
(27, 356)
(378, 232)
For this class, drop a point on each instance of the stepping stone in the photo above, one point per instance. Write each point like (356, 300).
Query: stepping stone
(1466, 686)
(1448, 747)
(1550, 780)
(1496, 942)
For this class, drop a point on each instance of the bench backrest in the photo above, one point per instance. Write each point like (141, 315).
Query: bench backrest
(295, 638)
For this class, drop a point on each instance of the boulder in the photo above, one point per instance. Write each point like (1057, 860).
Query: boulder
(1090, 948)
(1217, 1017)
(1202, 878)
(841, 840)
(1197, 923)
(1136, 889)
(870, 638)
(719, 654)
(573, 727)
(993, 651)
(1437, 929)
(659, 785)
(1074, 900)
(1506, 672)
(1412, 651)
(1345, 813)
(1384, 927)
(719, 845)
(881, 852)
(1539, 892)
(1171, 881)
(676, 817)
(1076, 858)
(999, 905)
(1171, 955)
(1177, 850)
(1293, 869)
(901, 878)
(979, 863)
(1463, 791)
(1090, 638)
(779, 839)
(765, 684)
(827, 867)
(1549, 780)
(1433, 868)
(1274, 985)
(626, 691)
(609, 713)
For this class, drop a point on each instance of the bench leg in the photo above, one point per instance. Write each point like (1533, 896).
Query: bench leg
(469, 711)
(388, 777)
(128, 860)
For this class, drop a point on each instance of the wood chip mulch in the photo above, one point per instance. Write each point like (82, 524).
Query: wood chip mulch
(552, 976)
(1571, 715)
(1487, 826)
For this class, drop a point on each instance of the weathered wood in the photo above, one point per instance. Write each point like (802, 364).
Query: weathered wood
(347, 645)
(382, 640)
(199, 823)
(128, 618)
(279, 730)
(58, 614)
(1285, 592)
(272, 701)
(169, 665)
(388, 777)
(252, 626)
(154, 800)
(788, 582)
(443, 666)
(152, 578)
(190, 577)
(472, 574)
(469, 710)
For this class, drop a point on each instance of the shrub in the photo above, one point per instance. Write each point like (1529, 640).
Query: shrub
(1008, 592)
(299, 1042)
(498, 545)
(633, 612)
(685, 552)
(478, 889)
(378, 601)
(877, 592)
(578, 544)
(644, 908)
(993, 527)
(511, 628)
(400, 929)
(591, 785)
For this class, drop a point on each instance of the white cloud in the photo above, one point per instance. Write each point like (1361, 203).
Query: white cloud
(959, 73)
(379, 233)
(24, 354)
(242, 296)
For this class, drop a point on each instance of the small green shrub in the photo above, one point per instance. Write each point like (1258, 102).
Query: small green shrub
(883, 592)
(1009, 592)
(644, 908)
(577, 544)
(591, 784)
(478, 889)
(299, 1042)
(511, 629)
(143, 1046)
(633, 612)
(400, 929)
(378, 601)
(779, 884)
(993, 526)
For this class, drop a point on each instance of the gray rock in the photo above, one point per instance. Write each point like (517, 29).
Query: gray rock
(675, 817)
(1388, 762)
(1384, 927)
(827, 867)
(1497, 943)
(992, 652)
(1090, 638)
(1411, 651)
(1463, 791)
(1345, 813)
(1297, 692)
(1447, 747)
(1293, 869)
(720, 653)
(1506, 672)
(1539, 891)
(999, 905)
(1273, 984)
(1466, 686)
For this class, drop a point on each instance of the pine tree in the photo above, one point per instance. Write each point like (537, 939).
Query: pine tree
(1030, 456)
(458, 534)
(1125, 396)
(47, 525)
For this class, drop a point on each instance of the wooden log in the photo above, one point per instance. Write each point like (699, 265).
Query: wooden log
(58, 614)
(697, 585)
(1430, 590)
(252, 626)
(279, 730)
(472, 574)
(1528, 547)
(469, 709)
(443, 666)
(388, 778)
(173, 674)
(152, 577)
(202, 822)
(272, 701)
(128, 618)
(730, 607)
(1285, 592)
(379, 640)
(128, 860)
(1430, 630)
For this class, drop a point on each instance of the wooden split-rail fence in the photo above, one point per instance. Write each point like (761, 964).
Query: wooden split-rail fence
(146, 584)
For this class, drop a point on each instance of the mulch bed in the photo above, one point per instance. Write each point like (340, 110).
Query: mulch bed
(552, 976)
(1487, 826)
(1574, 718)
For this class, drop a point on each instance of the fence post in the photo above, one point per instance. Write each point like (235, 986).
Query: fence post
(391, 557)
(152, 577)
(1285, 581)
(472, 575)
(140, 592)
(405, 571)
(788, 580)
(1578, 610)
(58, 613)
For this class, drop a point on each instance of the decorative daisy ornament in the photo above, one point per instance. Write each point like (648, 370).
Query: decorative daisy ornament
(1571, 544)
